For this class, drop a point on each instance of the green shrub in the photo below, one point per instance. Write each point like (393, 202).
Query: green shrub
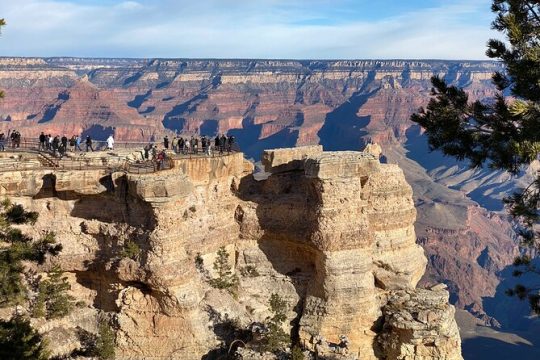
(297, 353)
(53, 301)
(276, 339)
(131, 250)
(226, 278)
(12, 291)
(199, 262)
(19, 341)
(16, 214)
(21, 248)
(104, 347)
(249, 271)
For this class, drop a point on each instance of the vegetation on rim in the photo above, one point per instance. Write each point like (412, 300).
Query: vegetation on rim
(503, 134)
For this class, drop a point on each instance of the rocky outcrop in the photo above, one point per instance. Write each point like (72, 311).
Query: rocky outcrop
(265, 104)
(333, 235)
(419, 325)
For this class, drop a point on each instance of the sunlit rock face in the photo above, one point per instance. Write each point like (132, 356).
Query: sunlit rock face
(266, 104)
(331, 232)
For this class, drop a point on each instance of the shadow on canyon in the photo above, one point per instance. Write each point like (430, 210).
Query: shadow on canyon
(250, 144)
(130, 219)
(514, 314)
(343, 129)
(284, 212)
(519, 334)
(484, 348)
(435, 161)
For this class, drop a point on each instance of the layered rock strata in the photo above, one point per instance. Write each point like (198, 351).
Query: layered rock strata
(279, 103)
(331, 233)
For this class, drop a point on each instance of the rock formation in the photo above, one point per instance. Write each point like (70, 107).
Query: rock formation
(268, 104)
(331, 232)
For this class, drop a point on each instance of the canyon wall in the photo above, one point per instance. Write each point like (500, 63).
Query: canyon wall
(264, 102)
(331, 232)
(284, 103)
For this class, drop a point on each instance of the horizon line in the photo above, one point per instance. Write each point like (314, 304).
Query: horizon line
(246, 59)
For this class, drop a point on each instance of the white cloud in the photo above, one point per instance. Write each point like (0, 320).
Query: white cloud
(234, 29)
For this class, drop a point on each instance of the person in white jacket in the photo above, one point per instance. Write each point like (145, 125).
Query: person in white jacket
(110, 142)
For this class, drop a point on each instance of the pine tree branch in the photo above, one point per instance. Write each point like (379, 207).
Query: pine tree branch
(531, 9)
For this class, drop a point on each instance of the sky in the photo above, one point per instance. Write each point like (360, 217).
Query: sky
(263, 29)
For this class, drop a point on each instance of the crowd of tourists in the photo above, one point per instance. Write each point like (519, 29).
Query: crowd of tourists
(188, 146)
(14, 138)
(58, 145)
(196, 144)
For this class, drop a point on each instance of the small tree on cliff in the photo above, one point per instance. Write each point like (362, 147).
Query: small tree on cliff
(104, 348)
(276, 339)
(226, 279)
(17, 248)
(19, 341)
(505, 134)
(52, 300)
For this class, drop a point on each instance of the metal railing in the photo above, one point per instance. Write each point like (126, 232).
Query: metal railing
(98, 145)
(50, 158)
(148, 166)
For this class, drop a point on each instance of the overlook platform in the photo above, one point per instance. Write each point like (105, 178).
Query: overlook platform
(127, 160)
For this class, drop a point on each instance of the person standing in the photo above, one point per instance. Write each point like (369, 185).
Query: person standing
(2, 139)
(203, 144)
(110, 142)
(12, 137)
(196, 145)
(180, 144)
(230, 143)
(41, 142)
(209, 147)
(50, 141)
(89, 143)
(216, 142)
(55, 145)
(166, 142)
(64, 142)
(222, 143)
(147, 151)
(78, 143)
(186, 146)
(72, 143)
(174, 144)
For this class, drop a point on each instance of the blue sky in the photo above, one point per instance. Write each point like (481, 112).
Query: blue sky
(292, 29)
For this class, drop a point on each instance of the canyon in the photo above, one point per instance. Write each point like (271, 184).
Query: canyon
(331, 232)
(341, 105)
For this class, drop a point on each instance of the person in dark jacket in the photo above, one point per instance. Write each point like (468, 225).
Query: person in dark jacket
(72, 143)
(180, 145)
(222, 143)
(230, 143)
(64, 142)
(147, 151)
(166, 142)
(203, 144)
(55, 145)
(89, 143)
(41, 141)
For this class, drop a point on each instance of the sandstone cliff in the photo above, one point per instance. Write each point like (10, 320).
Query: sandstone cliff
(332, 233)
(284, 103)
